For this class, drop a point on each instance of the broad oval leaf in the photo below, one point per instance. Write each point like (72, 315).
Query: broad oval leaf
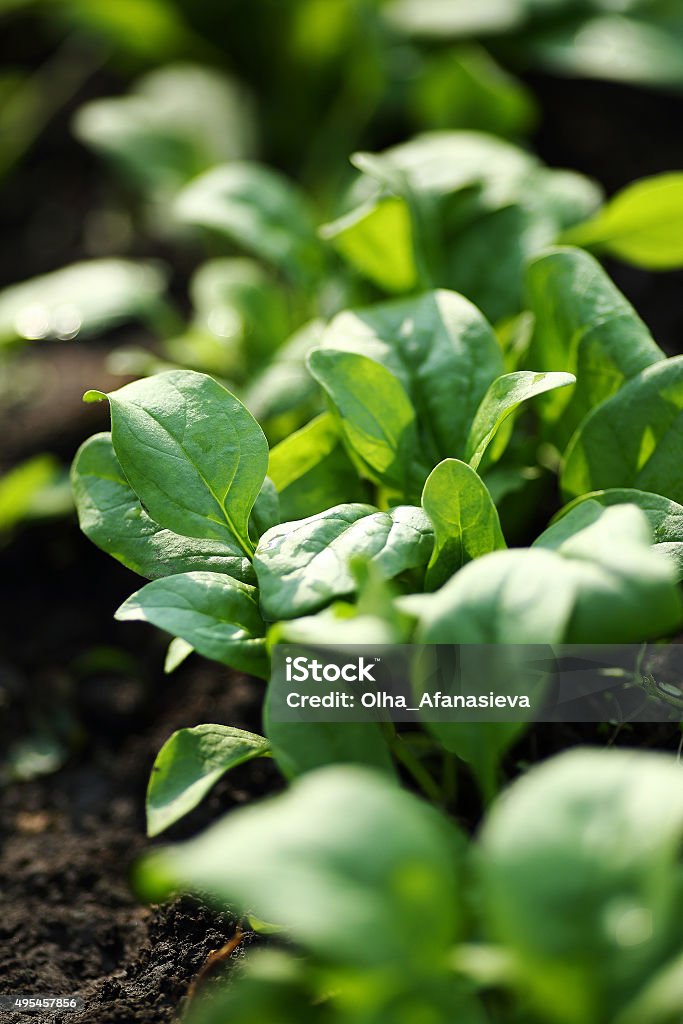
(503, 397)
(193, 454)
(642, 224)
(585, 326)
(464, 518)
(664, 516)
(304, 565)
(310, 860)
(189, 764)
(580, 868)
(217, 615)
(111, 516)
(608, 586)
(625, 588)
(259, 210)
(85, 298)
(502, 597)
(634, 439)
(441, 349)
(643, 50)
(176, 122)
(375, 414)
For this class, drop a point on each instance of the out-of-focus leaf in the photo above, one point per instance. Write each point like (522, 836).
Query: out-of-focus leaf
(285, 385)
(147, 30)
(467, 194)
(608, 586)
(301, 864)
(176, 123)
(241, 314)
(645, 50)
(464, 88)
(453, 18)
(642, 224)
(377, 239)
(21, 487)
(258, 210)
(580, 870)
(85, 298)
(664, 516)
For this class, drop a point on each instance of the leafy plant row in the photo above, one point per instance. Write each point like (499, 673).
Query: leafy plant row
(246, 546)
(458, 484)
(421, 215)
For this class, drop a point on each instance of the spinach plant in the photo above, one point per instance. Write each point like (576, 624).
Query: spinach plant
(384, 514)
(421, 420)
(565, 909)
(637, 41)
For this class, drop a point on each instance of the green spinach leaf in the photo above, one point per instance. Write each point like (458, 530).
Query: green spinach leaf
(464, 518)
(111, 516)
(216, 614)
(304, 565)
(193, 454)
(189, 764)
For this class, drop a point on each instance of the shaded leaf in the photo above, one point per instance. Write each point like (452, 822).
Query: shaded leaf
(217, 615)
(634, 439)
(189, 764)
(259, 210)
(585, 326)
(111, 516)
(300, 864)
(84, 298)
(375, 414)
(312, 471)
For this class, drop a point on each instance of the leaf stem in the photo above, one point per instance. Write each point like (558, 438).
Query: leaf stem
(414, 766)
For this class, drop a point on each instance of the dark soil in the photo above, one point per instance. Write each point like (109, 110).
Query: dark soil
(69, 923)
